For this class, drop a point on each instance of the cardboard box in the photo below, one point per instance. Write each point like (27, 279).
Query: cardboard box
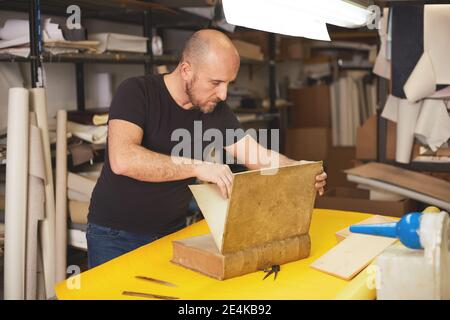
(258, 38)
(339, 159)
(248, 50)
(294, 49)
(308, 143)
(366, 140)
(350, 199)
(311, 107)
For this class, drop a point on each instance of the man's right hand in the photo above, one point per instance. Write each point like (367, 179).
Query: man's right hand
(220, 174)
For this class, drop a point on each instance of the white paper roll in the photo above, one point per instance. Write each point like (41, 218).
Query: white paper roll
(61, 195)
(16, 193)
(422, 81)
(36, 205)
(47, 228)
(104, 89)
(406, 123)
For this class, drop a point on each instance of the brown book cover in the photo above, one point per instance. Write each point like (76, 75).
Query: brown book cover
(95, 116)
(202, 255)
(265, 222)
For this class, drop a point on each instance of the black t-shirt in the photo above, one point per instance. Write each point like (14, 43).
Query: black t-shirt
(124, 203)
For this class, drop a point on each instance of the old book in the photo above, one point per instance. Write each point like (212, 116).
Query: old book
(264, 222)
(93, 117)
(201, 254)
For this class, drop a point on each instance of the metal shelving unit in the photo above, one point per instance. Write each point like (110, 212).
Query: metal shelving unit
(150, 15)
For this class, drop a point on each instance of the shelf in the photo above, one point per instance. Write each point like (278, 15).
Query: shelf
(130, 12)
(119, 57)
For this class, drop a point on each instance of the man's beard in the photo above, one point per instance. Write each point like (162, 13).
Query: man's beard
(195, 102)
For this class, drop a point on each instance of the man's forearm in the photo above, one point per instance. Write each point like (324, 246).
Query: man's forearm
(142, 164)
(269, 158)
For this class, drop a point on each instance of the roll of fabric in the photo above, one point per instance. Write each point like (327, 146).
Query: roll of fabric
(36, 205)
(16, 194)
(61, 195)
(47, 228)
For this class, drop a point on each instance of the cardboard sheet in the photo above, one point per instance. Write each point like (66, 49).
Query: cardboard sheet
(412, 184)
(16, 194)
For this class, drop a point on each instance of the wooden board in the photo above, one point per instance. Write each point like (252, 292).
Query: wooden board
(202, 255)
(407, 179)
(352, 255)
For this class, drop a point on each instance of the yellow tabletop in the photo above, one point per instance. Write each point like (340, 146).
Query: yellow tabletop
(296, 280)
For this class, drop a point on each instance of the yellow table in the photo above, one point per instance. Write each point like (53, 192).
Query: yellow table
(295, 281)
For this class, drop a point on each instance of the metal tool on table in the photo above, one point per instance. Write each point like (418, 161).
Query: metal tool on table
(164, 283)
(274, 269)
(148, 295)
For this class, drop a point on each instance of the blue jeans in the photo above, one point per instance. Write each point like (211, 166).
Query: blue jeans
(106, 243)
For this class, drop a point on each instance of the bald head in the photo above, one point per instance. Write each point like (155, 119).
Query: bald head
(207, 44)
(209, 63)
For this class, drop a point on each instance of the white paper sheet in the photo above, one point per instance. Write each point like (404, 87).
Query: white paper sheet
(214, 208)
(433, 124)
(16, 194)
(433, 67)
(15, 28)
(390, 110)
(52, 31)
(382, 66)
(407, 117)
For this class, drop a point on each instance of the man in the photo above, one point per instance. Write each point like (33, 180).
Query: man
(142, 193)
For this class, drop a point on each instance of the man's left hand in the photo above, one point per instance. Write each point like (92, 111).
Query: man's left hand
(321, 181)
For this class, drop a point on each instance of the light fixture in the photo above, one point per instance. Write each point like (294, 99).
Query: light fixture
(295, 17)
